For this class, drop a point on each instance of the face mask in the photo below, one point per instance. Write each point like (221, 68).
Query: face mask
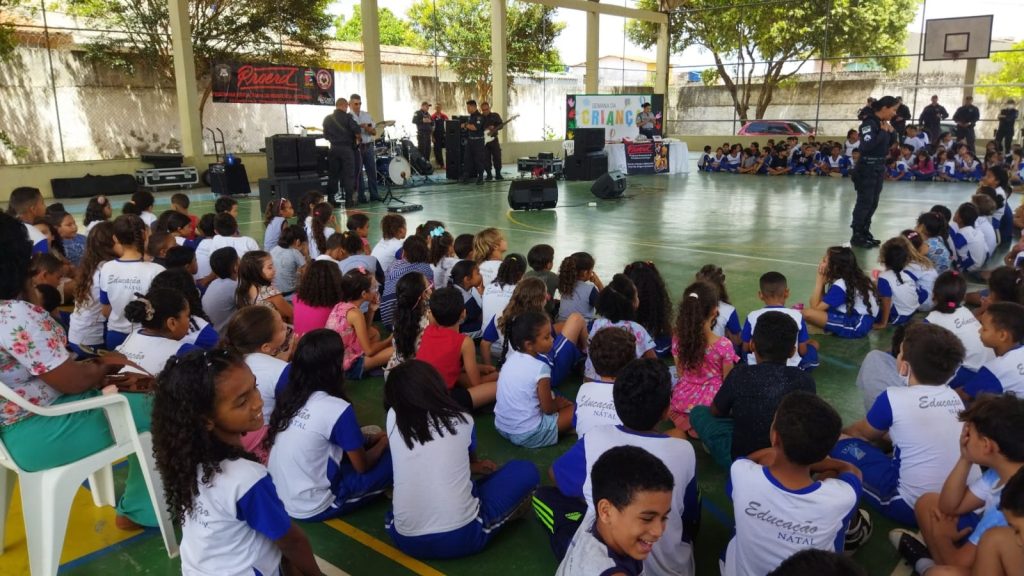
(902, 367)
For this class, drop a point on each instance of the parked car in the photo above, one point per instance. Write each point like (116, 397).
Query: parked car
(776, 128)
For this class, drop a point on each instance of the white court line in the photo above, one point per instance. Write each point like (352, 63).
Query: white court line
(329, 569)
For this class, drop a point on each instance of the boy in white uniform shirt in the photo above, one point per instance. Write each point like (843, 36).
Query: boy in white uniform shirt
(915, 139)
(227, 235)
(393, 231)
(921, 419)
(779, 508)
(773, 291)
(610, 351)
(968, 240)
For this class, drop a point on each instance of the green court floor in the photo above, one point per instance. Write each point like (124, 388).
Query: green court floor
(748, 225)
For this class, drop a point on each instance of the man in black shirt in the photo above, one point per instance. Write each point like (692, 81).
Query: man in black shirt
(473, 157)
(1007, 120)
(899, 121)
(865, 111)
(342, 131)
(966, 117)
(492, 149)
(931, 117)
(424, 126)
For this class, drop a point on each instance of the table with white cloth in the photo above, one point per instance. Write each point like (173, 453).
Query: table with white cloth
(678, 155)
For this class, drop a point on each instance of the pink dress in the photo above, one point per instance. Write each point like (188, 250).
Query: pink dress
(338, 321)
(698, 387)
(308, 318)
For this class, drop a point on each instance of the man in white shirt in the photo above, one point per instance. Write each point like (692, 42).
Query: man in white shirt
(367, 158)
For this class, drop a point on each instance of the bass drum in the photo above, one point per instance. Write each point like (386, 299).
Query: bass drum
(382, 169)
(399, 171)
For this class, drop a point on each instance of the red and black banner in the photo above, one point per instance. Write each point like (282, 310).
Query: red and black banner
(272, 84)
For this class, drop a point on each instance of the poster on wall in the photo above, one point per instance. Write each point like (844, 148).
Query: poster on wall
(272, 84)
(618, 114)
(646, 157)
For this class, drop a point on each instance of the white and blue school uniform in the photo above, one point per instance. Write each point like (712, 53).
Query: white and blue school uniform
(443, 271)
(201, 334)
(926, 277)
(151, 352)
(673, 553)
(589, 554)
(235, 520)
(385, 250)
(849, 147)
(808, 362)
(989, 489)
(917, 142)
(845, 323)
(562, 358)
(970, 248)
(314, 250)
(39, 242)
(437, 510)
(949, 169)
(644, 342)
(902, 290)
(840, 163)
(271, 378)
(988, 232)
(923, 423)
(774, 522)
(728, 320)
(273, 232)
(731, 163)
(1005, 218)
(489, 271)
(517, 414)
(472, 299)
(314, 479)
(964, 325)
(582, 299)
(594, 407)
(493, 302)
(902, 172)
(203, 252)
(704, 164)
(241, 244)
(87, 323)
(120, 280)
(967, 170)
(1001, 374)
(717, 163)
(800, 164)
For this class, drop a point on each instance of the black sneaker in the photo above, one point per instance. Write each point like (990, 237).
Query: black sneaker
(859, 531)
(498, 176)
(480, 180)
(909, 545)
(489, 177)
(860, 242)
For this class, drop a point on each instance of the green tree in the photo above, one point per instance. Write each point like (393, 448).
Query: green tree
(756, 47)
(460, 30)
(1012, 72)
(393, 30)
(292, 31)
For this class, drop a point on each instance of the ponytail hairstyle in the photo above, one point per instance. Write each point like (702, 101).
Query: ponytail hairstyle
(570, 270)
(440, 247)
(99, 248)
(274, 209)
(250, 273)
(317, 366)
(530, 295)
(354, 283)
(183, 404)
(463, 269)
(153, 309)
(180, 280)
(171, 221)
(142, 201)
(351, 242)
(914, 244)
(430, 230)
(842, 265)
(416, 392)
(249, 329)
(949, 291)
(322, 214)
(1003, 178)
(485, 242)
(935, 225)
(410, 307)
(308, 200)
(715, 275)
(698, 304)
(655, 310)
(617, 302)
(96, 210)
(511, 270)
(526, 327)
(1005, 283)
(894, 255)
(320, 285)
(131, 231)
(291, 234)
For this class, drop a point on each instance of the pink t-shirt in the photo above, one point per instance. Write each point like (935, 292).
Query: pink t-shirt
(307, 318)
(337, 320)
(697, 387)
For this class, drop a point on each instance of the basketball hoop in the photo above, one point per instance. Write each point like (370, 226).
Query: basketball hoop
(954, 54)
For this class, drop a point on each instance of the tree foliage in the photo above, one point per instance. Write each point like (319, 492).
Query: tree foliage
(292, 31)
(1012, 72)
(393, 30)
(460, 30)
(757, 47)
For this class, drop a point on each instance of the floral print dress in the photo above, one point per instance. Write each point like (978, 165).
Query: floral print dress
(31, 344)
(697, 387)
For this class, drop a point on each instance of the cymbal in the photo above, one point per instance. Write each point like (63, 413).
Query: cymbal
(384, 123)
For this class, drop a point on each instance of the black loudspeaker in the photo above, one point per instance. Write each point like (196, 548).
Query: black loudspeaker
(587, 140)
(306, 154)
(229, 179)
(609, 185)
(534, 194)
(594, 165)
(90, 185)
(288, 155)
(453, 150)
(291, 188)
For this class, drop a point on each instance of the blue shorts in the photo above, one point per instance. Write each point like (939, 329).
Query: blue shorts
(352, 489)
(810, 360)
(848, 325)
(545, 434)
(115, 339)
(355, 371)
(663, 346)
(881, 478)
(562, 358)
(500, 494)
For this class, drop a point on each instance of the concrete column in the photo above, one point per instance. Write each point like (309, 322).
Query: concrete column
(374, 97)
(593, 30)
(970, 71)
(661, 74)
(185, 83)
(499, 61)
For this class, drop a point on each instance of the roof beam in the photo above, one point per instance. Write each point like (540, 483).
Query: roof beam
(611, 10)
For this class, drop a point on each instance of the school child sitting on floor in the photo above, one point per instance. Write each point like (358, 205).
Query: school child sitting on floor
(844, 300)
(774, 290)
(1002, 330)
(611, 350)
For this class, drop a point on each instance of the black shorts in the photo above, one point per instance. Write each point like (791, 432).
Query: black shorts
(462, 398)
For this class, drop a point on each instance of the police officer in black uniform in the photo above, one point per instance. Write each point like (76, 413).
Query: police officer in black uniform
(473, 157)
(931, 118)
(875, 135)
(492, 149)
(424, 126)
(342, 131)
(865, 111)
(1004, 134)
(966, 117)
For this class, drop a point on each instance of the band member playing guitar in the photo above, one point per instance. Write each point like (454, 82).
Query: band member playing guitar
(492, 149)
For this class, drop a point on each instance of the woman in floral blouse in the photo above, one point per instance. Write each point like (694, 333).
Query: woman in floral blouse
(35, 364)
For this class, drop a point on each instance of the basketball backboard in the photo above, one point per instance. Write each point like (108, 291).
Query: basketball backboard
(953, 38)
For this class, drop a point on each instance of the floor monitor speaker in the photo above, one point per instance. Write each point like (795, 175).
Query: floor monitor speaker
(610, 185)
(535, 194)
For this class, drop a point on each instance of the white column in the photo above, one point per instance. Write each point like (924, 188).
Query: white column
(593, 30)
(499, 61)
(374, 97)
(185, 83)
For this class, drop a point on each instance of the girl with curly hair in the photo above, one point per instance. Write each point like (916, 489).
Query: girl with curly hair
(728, 323)
(226, 504)
(844, 301)
(703, 359)
(654, 312)
(85, 327)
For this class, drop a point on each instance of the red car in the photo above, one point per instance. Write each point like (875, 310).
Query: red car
(776, 128)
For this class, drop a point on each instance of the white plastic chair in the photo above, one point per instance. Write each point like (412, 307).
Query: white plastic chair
(46, 495)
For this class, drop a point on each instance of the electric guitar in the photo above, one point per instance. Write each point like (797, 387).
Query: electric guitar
(489, 136)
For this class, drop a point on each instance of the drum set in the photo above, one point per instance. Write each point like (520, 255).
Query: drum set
(399, 161)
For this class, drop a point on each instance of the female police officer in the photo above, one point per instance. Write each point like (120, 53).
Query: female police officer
(875, 136)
